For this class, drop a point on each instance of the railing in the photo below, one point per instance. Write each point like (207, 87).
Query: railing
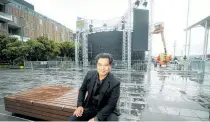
(5, 16)
(197, 65)
(49, 64)
(194, 69)
(187, 65)
(109, 28)
(20, 37)
(136, 65)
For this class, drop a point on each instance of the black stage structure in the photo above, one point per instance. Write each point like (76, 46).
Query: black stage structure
(111, 41)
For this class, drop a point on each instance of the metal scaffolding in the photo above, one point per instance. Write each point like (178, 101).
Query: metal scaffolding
(126, 24)
(129, 35)
(85, 49)
(123, 23)
(81, 37)
(77, 49)
(151, 23)
(124, 45)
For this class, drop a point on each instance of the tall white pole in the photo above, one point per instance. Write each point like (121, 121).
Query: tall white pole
(129, 34)
(76, 49)
(188, 10)
(189, 44)
(205, 44)
(182, 52)
(151, 10)
(207, 39)
(174, 48)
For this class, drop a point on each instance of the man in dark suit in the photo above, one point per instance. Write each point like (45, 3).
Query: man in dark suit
(103, 91)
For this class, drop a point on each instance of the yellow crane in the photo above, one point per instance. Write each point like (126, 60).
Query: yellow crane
(162, 58)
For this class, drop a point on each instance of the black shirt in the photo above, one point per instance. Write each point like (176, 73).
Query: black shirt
(95, 95)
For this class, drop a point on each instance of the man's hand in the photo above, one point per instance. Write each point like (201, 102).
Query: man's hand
(78, 112)
(91, 120)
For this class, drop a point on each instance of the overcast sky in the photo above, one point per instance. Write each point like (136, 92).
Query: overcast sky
(172, 12)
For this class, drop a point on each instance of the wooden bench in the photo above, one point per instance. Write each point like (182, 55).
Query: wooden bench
(53, 103)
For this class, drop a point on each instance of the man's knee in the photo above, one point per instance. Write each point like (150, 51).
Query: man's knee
(74, 118)
(112, 117)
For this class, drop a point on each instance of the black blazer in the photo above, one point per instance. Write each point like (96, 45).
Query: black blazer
(108, 94)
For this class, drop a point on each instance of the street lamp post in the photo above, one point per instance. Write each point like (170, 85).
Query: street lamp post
(174, 48)
(189, 44)
(188, 10)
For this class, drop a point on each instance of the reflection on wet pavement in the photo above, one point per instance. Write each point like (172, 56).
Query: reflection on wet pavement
(168, 96)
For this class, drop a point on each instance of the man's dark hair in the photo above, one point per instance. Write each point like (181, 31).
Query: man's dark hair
(104, 55)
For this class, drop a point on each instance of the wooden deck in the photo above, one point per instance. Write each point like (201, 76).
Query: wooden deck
(54, 103)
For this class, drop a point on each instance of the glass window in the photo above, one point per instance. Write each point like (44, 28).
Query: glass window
(40, 21)
(15, 19)
(1, 25)
(62, 36)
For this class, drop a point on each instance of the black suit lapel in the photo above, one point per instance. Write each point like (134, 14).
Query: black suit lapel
(104, 87)
(91, 85)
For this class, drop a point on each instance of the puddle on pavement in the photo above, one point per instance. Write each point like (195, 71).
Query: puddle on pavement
(171, 97)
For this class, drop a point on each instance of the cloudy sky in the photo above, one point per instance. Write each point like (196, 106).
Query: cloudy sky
(172, 12)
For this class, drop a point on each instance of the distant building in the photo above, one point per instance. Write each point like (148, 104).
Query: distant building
(17, 18)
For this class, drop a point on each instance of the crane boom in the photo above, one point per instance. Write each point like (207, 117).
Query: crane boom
(164, 58)
(164, 43)
(159, 29)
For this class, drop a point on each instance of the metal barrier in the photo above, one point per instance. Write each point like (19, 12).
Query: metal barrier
(194, 69)
(49, 64)
(136, 65)
(197, 65)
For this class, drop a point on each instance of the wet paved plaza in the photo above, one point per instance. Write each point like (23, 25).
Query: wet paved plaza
(167, 96)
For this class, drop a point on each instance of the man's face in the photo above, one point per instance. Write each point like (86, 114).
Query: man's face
(103, 66)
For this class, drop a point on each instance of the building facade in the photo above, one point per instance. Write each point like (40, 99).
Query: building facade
(18, 19)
